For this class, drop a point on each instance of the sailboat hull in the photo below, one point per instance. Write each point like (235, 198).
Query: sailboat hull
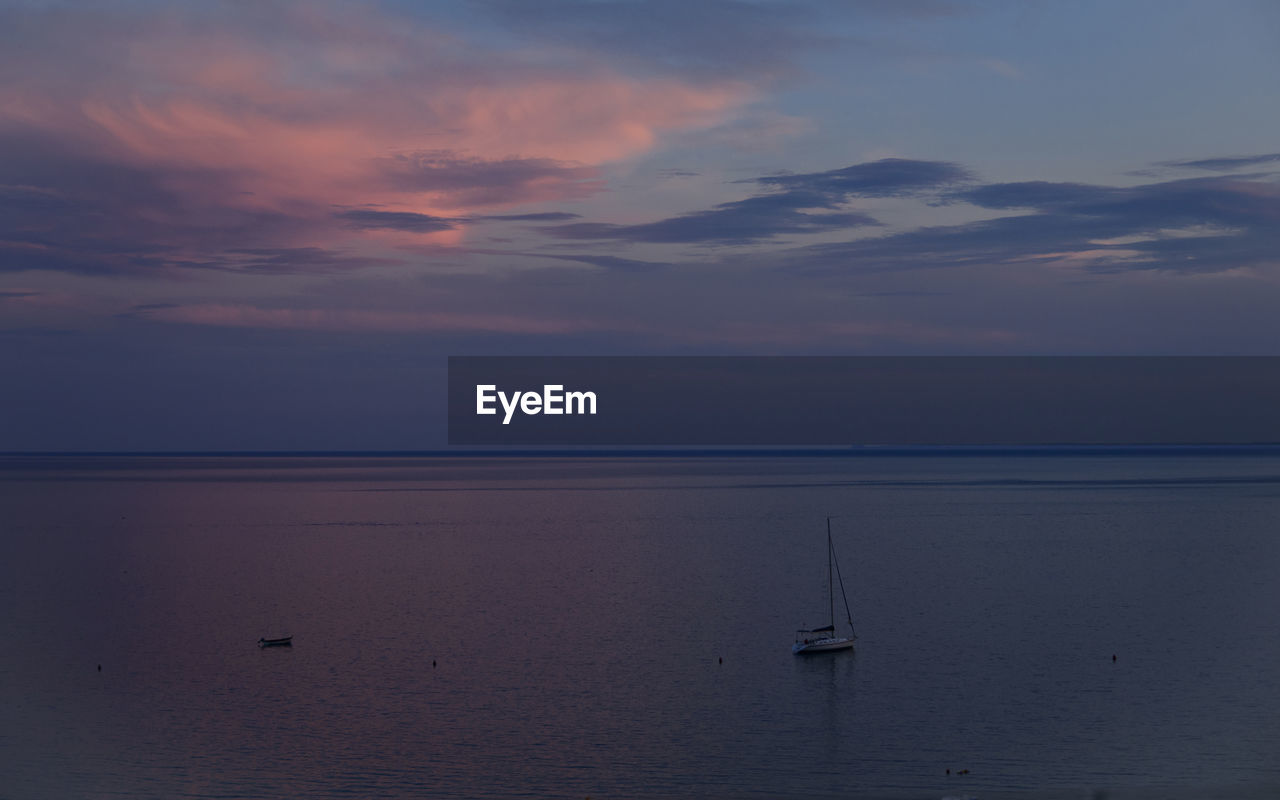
(825, 645)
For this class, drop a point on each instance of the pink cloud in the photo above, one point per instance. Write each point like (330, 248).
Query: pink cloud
(297, 109)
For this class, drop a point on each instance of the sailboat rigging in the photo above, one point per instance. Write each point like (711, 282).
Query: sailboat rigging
(825, 639)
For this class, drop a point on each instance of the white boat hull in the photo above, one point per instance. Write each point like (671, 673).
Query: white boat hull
(824, 645)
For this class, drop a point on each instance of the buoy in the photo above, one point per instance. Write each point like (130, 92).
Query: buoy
(1113, 658)
(721, 659)
(99, 668)
(433, 663)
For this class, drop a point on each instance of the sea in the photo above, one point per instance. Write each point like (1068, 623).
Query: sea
(1094, 624)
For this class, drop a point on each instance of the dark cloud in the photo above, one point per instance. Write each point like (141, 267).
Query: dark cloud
(1169, 204)
(1198, 225)
(787, 211)
(611, 262)
(81, 253)
(141, 310)
(1041, 195)
(1224, 164)
(903, 293)
(889, 177)
(739, 222)
(286, 261)
(549, 216)
(61, 209)
(65, 210)
(39, 332)
(368, 219)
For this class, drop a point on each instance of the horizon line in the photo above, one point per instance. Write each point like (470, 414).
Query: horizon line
(702, 451)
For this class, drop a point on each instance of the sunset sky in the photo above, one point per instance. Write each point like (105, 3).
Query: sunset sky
(264, 226)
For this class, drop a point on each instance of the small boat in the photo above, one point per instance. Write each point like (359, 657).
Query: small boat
(826, 639)
(283, 641)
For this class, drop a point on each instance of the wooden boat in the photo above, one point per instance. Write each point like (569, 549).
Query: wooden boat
(826, 639)
(284, 641)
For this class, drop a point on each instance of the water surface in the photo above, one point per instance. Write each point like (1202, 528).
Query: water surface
(622, 627)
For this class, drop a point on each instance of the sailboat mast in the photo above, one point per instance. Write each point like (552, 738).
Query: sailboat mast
(831, 587)
(847, 613)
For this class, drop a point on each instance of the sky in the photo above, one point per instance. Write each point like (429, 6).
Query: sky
(241, 226)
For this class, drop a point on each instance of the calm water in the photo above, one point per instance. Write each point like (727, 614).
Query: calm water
(577, 611)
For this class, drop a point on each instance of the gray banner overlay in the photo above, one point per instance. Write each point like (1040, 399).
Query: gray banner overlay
(864, 400)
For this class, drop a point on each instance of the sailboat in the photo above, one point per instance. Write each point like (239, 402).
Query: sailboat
(825, 639)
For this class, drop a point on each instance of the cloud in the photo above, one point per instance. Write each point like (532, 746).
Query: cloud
(140, 139)
(239, 315)
(287, 261)
(547, 216)
(1224, 163)
(472, 182)
(1201, 225)
(368, 219)
(888, 177)
(787, 211)
(739, 222)
(1040, 195)
(68, 211)
(373, 219)
(699, 308)
(610, 262)
(1227, 202)
(1190, 225)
